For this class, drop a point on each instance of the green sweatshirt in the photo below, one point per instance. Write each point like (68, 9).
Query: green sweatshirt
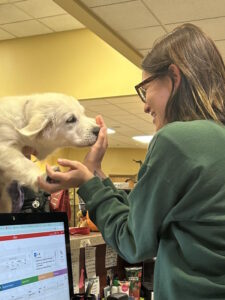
(175, 212)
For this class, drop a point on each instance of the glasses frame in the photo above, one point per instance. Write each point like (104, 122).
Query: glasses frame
(140, 85)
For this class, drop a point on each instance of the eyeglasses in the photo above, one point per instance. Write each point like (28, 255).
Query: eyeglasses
(141, 91)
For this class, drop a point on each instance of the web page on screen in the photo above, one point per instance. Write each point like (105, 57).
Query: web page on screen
(33, 262)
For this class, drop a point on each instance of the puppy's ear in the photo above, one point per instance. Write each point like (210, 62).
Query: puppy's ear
(36, 124)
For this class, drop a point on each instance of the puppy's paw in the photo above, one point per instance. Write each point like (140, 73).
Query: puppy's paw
(49, 179)
(31, 179)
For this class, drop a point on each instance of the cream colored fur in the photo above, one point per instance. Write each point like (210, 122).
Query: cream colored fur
(44, 122)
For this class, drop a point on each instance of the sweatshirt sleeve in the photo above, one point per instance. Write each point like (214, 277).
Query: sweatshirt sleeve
(124, 198)
(134, 230)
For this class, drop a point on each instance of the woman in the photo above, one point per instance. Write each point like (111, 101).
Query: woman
(177, 209)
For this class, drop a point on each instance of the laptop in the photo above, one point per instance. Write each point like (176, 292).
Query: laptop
(35, 260)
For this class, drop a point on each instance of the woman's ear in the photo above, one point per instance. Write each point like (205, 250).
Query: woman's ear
(176, 75)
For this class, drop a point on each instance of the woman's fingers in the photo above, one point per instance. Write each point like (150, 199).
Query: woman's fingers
(75, 176)
(56, 176)
(68, 163)
(100, 121)
(48, 187)
(105, 141)
(101, 137)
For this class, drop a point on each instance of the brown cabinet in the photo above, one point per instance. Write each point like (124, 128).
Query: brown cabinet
(96, 240)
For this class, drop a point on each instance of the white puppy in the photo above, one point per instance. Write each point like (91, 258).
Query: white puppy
(44, 122)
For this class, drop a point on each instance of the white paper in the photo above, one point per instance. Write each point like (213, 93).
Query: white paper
(85, 243)
(90, 259)
(95, 287)
(75, 257)
(110, 257)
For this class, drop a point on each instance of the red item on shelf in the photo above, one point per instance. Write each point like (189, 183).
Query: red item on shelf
(60, 201)
(79, 230)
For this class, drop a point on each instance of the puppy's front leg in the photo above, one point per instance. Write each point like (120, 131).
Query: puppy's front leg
(5, 200)
(15, 166)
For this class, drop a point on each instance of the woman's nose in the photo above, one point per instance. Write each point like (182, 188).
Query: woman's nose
(146, 108)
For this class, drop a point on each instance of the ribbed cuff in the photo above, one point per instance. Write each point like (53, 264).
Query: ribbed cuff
(108, 182)
(87, 189)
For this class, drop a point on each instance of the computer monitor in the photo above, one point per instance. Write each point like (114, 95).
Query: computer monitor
(35, 261)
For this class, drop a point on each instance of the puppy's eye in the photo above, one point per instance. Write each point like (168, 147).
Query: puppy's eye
(72, 119)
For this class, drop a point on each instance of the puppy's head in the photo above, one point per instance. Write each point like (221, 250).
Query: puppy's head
(57, 120)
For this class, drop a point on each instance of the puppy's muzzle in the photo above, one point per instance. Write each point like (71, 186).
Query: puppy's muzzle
(96, 130)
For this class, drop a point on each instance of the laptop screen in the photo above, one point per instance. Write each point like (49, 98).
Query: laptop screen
(35, 257)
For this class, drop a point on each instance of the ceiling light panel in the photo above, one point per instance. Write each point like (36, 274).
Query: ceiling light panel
(174, 11)
(117, 17)
(26, 28)
(10, 13)
(94, 3)
(61, 23)
(214, 27)
(40, 8)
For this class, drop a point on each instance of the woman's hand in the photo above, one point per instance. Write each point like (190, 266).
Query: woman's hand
(74, 177)
(94, 157)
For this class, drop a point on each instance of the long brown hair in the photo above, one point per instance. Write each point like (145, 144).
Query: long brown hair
(201, 93)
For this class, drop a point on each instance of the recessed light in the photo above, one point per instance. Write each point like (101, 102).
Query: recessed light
(110, 131)
(145, 139)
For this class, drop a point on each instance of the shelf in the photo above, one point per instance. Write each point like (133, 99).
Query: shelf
(81, 241)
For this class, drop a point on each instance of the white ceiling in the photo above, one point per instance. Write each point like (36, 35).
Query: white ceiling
(33, 17)
(141, 22)
(123, 114)
(137, 22)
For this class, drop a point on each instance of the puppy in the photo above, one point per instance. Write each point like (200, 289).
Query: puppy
(43, 122)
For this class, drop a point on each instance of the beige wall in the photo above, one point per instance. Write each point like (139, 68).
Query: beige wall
(116, 161)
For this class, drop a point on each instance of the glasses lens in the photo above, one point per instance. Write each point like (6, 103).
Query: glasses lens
(142, 93)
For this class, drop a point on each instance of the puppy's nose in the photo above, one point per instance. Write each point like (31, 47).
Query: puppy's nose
(95, 130)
